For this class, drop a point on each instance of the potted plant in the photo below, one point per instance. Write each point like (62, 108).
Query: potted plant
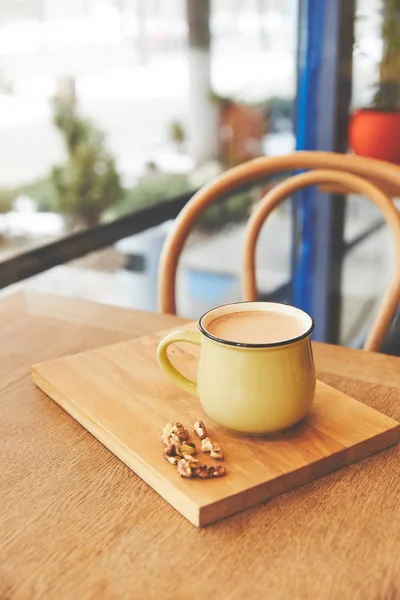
(375, 131)
(177, 135)
(88, 183)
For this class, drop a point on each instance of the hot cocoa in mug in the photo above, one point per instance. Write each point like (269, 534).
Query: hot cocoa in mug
(256, 370)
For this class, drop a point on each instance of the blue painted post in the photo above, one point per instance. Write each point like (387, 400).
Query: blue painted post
(323, 99)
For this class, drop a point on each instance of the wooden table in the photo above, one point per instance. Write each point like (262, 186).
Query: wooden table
(77, 523)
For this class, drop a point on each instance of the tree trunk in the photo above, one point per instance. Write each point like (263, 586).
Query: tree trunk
(203, 111)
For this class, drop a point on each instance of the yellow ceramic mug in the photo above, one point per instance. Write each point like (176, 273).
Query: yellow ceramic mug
(249, 388)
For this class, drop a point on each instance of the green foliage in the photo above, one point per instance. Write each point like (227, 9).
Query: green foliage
(162, 186)
(152, 189)
(88, 183)
(42, 192)
(74, 128)
(177, 132)
(234, 209)
(7, 197)
(387, 95)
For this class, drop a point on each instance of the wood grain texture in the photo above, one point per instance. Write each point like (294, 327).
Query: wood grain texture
(75, 522)
(122, 397)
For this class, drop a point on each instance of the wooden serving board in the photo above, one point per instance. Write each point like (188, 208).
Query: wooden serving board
(120, 395)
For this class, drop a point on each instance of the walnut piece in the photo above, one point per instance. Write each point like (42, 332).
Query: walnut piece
(214, 449)
(186, 448)
(181, 431)
(204, 472)
(200, 429)
(201, 471)
(174, 433)
(218, 471)
(206, 445)
(217, 454)
(170, 438)
(185, 469)
(190, 458)
(179, 451)
(170, 450)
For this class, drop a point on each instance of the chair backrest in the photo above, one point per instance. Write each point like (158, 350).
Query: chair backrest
(248, 174)
(356, 184)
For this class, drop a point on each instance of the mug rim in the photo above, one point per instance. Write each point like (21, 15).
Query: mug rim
(287, 342)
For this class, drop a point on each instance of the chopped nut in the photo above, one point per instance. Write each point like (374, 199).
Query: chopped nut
(206, 445)
(214, 449)
(179, 451)
(180, 430)
(190, 458)
(170, 450)
(200, 429)
(185, 469)
(170, 454)
(217, 454)
(185, 448)
(218, 471)
(170, 438)
(201, 471)
(168, 429)
(204, 472)
(174, 433)
(167, 433)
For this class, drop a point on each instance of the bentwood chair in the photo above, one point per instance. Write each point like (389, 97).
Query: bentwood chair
(340, 172)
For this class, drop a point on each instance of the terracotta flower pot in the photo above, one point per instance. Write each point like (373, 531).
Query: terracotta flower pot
(376, 134)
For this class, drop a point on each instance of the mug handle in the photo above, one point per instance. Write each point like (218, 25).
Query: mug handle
(192, 337)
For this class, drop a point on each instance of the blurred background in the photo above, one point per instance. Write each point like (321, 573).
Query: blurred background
(109, 108)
